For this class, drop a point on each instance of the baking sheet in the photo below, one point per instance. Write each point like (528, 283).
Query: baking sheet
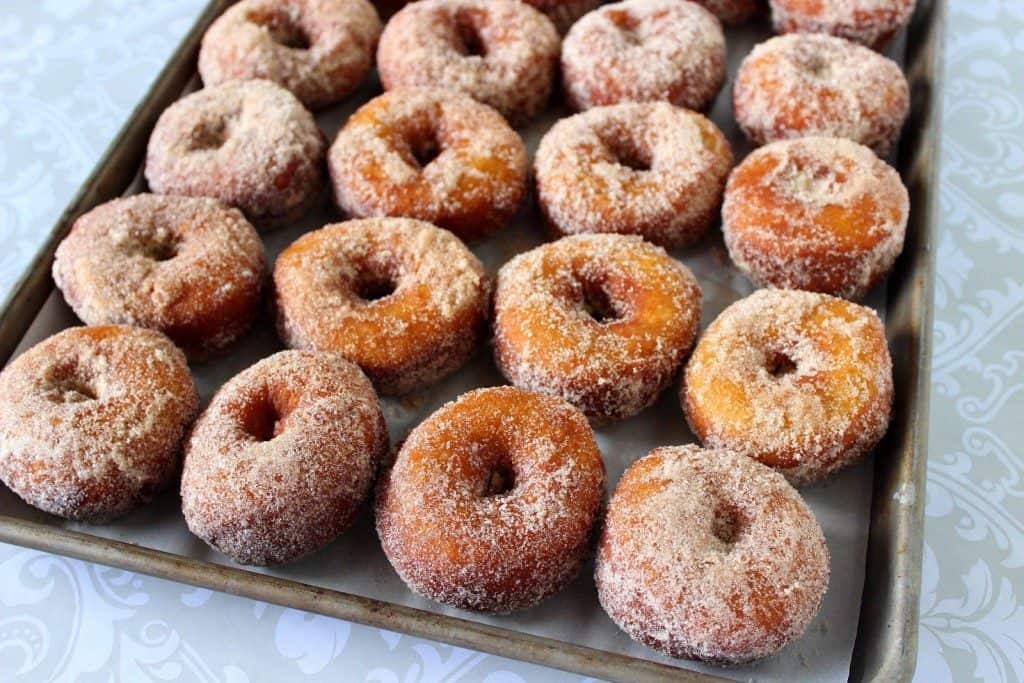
(355, 563)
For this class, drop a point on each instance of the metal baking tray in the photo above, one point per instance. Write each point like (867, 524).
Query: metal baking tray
(886, 635)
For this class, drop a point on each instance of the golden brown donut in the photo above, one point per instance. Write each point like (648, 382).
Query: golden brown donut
(320, 50)
(503, 53)
(404, 300)
(280, 461)
(491, 501)
(804, 84)
(603, 321)
(92, 420)
(564, 13)
(820, 214)
(708, 555)
(801, 382)
(430, 154)
(869, 22)
(250, 144)
(192, 268)
(644, 51)
(647, 169)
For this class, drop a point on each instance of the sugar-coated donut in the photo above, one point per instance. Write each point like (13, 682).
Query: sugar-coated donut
(732, 12)
(192, 268)
(643, 51)
(503, 53)
(491, 500)
(320, 50)
(603, 321)
(280, 461)
(806, 84)
(404, 300)
(869, 22)
(648, 169)
(430, 154)
(708, 555)
(564, 13)
(799, 381)
(92, 420)
(820, 214)
(250, 144)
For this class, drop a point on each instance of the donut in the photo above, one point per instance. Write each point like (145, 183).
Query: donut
(192, 268)
(644, 51)
(503, 53)
(648, 169)
(731, 12)
(320, 50)
(491, 501)
(564, 13)
(404, 300)
(602, 321)
(804, 84)
(280, 461)
(250, 144)
(820, 214)
(430, 154)
(708, 555)
(800, 381)
(868, 22)
(92, 420)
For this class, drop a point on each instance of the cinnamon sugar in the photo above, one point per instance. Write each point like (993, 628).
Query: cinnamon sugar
(869, 22)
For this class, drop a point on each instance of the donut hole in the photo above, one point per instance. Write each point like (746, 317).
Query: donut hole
(282, 29)
(266, 417)
(627, 154)
(814, 64)
(208, 136)
(501, 479)
(424, 147)
(159, 247)
(70, 383)
(628, 25)
(374, 284)
(470, 41)
(726, 525)
(780, 364)
(599, 304)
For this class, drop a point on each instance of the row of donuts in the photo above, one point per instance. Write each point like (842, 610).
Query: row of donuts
(491, 503)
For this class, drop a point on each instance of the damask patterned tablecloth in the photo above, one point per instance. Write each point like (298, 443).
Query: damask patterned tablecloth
(70, 72)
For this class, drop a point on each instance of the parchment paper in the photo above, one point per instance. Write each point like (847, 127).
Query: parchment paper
(355, 564)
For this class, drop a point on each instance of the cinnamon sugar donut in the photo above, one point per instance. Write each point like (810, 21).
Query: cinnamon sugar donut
(503, 53)
(646, 169)
(820, 214)
(564, 13)
(250, 144)
(404, 300)
(280, 461)
(191, 268)
(642, 51)
(869, 22)
(92, 420)
(430, 154)
(799, 381)
(708, 555)
(732, 12)
(320, 50)
(491, 501)
(603, 321)
(805, 84)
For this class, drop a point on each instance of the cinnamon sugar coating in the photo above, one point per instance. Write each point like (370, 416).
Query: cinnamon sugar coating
(281, 460)
(643, 51)
(320, 50)
(192, 268)
(503, 53)
(491, 500)
(92, 420)
(708, 555)
(430, 154)
(564, 13)
(820, 214)
(801, 85)
(868, 22)
(403, 299)
(602, 321)
(250, 144)
(648, 169)
(801, 382)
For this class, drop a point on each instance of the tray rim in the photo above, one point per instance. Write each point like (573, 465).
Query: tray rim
(889, 654)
